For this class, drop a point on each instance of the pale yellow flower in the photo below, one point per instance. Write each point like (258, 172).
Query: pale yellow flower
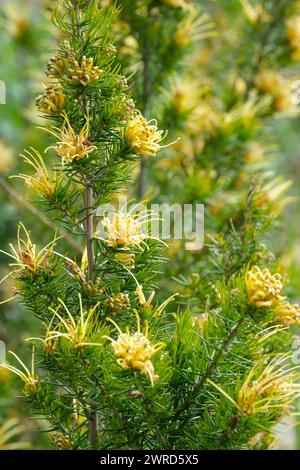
(287, 314)
(293, 34)
(254, 13)
(144, 136)
(57, 66)
(193, 27)
(254, 153)
(273, 196)
(245, 113)
(272, 388)
(73, 329)
(17, 18)
(52, 101)
(72, 146)
(263, 288)
(85, 72)
(62, 441)
(134, 351)
(182, 95)
(205, 119)
(124, 229)
(118, 303)
(27, 260)
(41, 182)
(26, 375)
(280, 90)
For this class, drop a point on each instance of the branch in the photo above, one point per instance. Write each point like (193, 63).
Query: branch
(209, 370)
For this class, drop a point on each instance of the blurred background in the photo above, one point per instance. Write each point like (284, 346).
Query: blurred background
(27, 39)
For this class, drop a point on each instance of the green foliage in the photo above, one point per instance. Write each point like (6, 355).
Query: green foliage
(116, 368)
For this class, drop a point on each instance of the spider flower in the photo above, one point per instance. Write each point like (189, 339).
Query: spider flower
(144, 136)
(124, 229)
(17, 19)
(118, 302)
(52, 102)
(270, 388)
(72, 146)
(27, 259)
(280, 90)
(263, 288)
(76, 331)
(41, 182)
(26, 375)
(273, 196)
(85, 72)
(287, 314)
(293, 34)
(57, 66)
(193, 27)
(254, 14)
(134, 351)
(62, 441)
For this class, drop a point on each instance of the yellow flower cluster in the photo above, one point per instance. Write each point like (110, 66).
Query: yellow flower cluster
(52, 101)
(27, 258)
(287, 314)
(273, 84)
(26, 375)
(263, 288)
(118, 302)
(57, 66)
(264, 291)
(193, 28)
(205, 119)
(273, 196)
(143, 136)
(254, 13)
(127, 109)
(123, 230)
(76, 331)
(62, 441)
(72, 146)
(293, 34)
(134, 351)
(85, 72)
(42, 183)
(271, 388)
(17, 18)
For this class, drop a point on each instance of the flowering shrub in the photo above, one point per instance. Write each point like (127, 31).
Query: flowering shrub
(208, 369)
